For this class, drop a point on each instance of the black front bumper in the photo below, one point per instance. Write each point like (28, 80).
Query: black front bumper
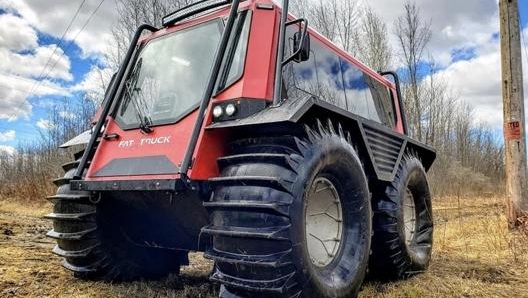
(171, 185)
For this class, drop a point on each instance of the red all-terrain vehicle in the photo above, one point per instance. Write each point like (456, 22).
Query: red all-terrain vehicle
(238, 131)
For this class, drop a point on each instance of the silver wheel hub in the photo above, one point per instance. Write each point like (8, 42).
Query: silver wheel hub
(324, 222)
(409, 217)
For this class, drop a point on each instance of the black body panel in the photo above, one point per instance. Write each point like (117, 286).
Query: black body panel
(380, 148)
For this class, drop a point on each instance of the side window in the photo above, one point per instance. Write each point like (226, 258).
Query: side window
(383, 101)
(320, 75)
(330, 85)
(366, 96)
(234, 61)
(240, 46)
(358, 95)
(338, 82)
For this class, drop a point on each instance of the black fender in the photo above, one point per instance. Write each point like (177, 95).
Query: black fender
(380, 148)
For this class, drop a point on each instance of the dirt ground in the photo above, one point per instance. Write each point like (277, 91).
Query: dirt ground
(474, 256)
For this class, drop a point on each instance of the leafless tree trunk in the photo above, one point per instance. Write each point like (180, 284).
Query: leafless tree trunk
(413, 34)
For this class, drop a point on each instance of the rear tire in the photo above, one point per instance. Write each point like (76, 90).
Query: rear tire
(268, 208)
(403, 224)
(89, 239)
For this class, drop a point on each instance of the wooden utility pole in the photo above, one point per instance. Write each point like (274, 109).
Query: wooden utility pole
(513, 101)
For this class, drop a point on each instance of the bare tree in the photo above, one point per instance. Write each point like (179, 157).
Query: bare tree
(413, 34)
(337, 20)
(372, 41)
(132, 14)
(26, 174)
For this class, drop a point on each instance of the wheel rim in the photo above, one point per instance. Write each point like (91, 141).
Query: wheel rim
(324, 222)
(409, 217)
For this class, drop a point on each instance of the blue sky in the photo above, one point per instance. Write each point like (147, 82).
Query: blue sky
(464, 45)
(52, 54)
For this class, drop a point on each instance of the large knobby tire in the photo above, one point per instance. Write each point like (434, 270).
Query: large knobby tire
(291, 217)
(403, 224)
(89, 239)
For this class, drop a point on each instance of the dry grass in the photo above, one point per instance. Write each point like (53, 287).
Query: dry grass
(474, 256)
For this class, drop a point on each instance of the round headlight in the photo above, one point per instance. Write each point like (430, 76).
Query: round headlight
(230, 109)
(218, 111)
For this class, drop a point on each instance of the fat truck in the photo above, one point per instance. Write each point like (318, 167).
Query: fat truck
(237, 130)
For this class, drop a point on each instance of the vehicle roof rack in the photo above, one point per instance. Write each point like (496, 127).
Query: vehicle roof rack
(191, 10)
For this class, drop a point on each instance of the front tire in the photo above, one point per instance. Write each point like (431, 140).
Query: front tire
(291, 218)
(403, 224)
(90, 241)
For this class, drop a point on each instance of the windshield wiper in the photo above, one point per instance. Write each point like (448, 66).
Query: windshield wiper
(131, 87)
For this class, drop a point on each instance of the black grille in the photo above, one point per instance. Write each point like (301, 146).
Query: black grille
(385, 148)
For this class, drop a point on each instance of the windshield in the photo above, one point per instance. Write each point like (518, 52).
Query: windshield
(169, 77)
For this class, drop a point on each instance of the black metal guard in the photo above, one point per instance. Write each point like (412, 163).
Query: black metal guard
(400, 98)
(213, 76)
(277, 91)
(109, 99)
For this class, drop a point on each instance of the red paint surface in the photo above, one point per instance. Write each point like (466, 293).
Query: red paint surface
(110, 149)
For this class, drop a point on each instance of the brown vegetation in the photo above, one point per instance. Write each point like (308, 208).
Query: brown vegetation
(474, 255)
(26, 175)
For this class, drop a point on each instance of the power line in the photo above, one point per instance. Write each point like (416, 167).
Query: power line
(38, 84)
(58, 44)
(75, 37)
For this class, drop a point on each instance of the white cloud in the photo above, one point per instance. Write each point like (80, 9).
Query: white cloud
(7, 136)
(455, 24)
(19, 7)
(476, 86)
(478, 81)
(32, 64)
(45, 124)
(16, 34)
(54, 19)
(14, 91)
(22, 61)
(9, 150)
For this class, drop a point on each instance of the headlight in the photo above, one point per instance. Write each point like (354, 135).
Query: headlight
(218, 112)
(238, 108)
(230, 109)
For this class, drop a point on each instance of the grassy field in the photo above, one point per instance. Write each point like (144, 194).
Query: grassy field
(474, 255)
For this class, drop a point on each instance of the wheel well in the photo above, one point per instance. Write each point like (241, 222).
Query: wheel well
(353, 125)
(425, 155)
(349, 124)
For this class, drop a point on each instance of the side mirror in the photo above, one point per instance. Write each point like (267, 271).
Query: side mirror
(301, 42)
(301, 46)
